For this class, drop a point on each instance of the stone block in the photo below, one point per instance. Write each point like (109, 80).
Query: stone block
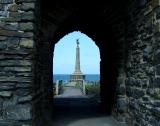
(12, 42)
(157, 56)
(5, 94)
(15, 79)
(17, 69)
(150, 91)
(10, 19)
(6, 57)
(156, 82)
(138, 93)
(156, 111)
(147, 52)
(146, 98)
(27, 6)
(2, 38)
(26, 26)
(154, 122)
(122, 105)
(27, 35)
(150, 70)
(141, 83)
(23, 92)
(121, 90)
(25, 99)
(10, 33)
(13, 8)
(1, 7)
(2, 57)
(129, 91)
(138, 83)
(130, 81)
(134, 104)
(9, 102)
(157, 14)
(121, 80)
(7, 86)
(157, 27)
(9, 123)
(29, 15)
(15, 15)
(158, 70)
(6, 1)
(26, 125)
(16, 63)
(20, 52)
(3, 13)
(156, 103)
(25, 1)
(3, 46)
(26, 43)
(11, 26)
(2, 25)
(25, 74)
(19, 112)
(24, 85)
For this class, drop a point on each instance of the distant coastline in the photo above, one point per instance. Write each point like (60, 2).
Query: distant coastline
(66, 77)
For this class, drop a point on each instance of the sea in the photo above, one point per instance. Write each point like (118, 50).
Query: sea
(66, 77)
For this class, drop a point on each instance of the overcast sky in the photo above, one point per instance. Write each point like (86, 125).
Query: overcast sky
(65, 54)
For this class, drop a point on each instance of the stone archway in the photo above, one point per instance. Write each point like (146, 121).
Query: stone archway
(128, 32)
(112, 52)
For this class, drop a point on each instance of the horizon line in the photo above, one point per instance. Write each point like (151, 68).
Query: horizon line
(70, 73)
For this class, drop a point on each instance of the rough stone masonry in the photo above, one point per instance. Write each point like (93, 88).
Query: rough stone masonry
(132, 57)
(16, 61)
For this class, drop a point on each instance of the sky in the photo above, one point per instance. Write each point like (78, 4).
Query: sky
(65, 54)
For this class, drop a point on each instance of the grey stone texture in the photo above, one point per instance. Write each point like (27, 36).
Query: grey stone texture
(26, 43)
(13, 8)
(26, 26)
(5, 94)
(19, 112)
(141, 82)
(27, 6)
(6, 1)
(27, 40)
(28, 15)
(16, 45)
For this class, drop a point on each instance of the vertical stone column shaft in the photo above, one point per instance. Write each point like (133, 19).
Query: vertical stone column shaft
(77, 65)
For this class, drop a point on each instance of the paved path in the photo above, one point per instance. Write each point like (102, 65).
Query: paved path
(71, 108)
(70, 92)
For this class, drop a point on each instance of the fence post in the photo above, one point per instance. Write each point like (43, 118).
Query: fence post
(83, 87)
(57, 87)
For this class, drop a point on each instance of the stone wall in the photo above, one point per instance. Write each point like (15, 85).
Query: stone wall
(142, 84)
(16, 61)
(127, 35)
(142, 101)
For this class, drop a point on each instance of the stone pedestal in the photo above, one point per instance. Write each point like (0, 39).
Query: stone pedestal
(77, 77)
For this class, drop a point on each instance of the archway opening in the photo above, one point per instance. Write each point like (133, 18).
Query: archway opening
(76, 72)
(69, 103)
(108, 37)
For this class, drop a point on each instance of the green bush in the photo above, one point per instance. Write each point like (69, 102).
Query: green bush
(93, 90)
(79, 86)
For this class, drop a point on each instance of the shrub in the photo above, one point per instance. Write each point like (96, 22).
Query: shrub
(93, 90)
